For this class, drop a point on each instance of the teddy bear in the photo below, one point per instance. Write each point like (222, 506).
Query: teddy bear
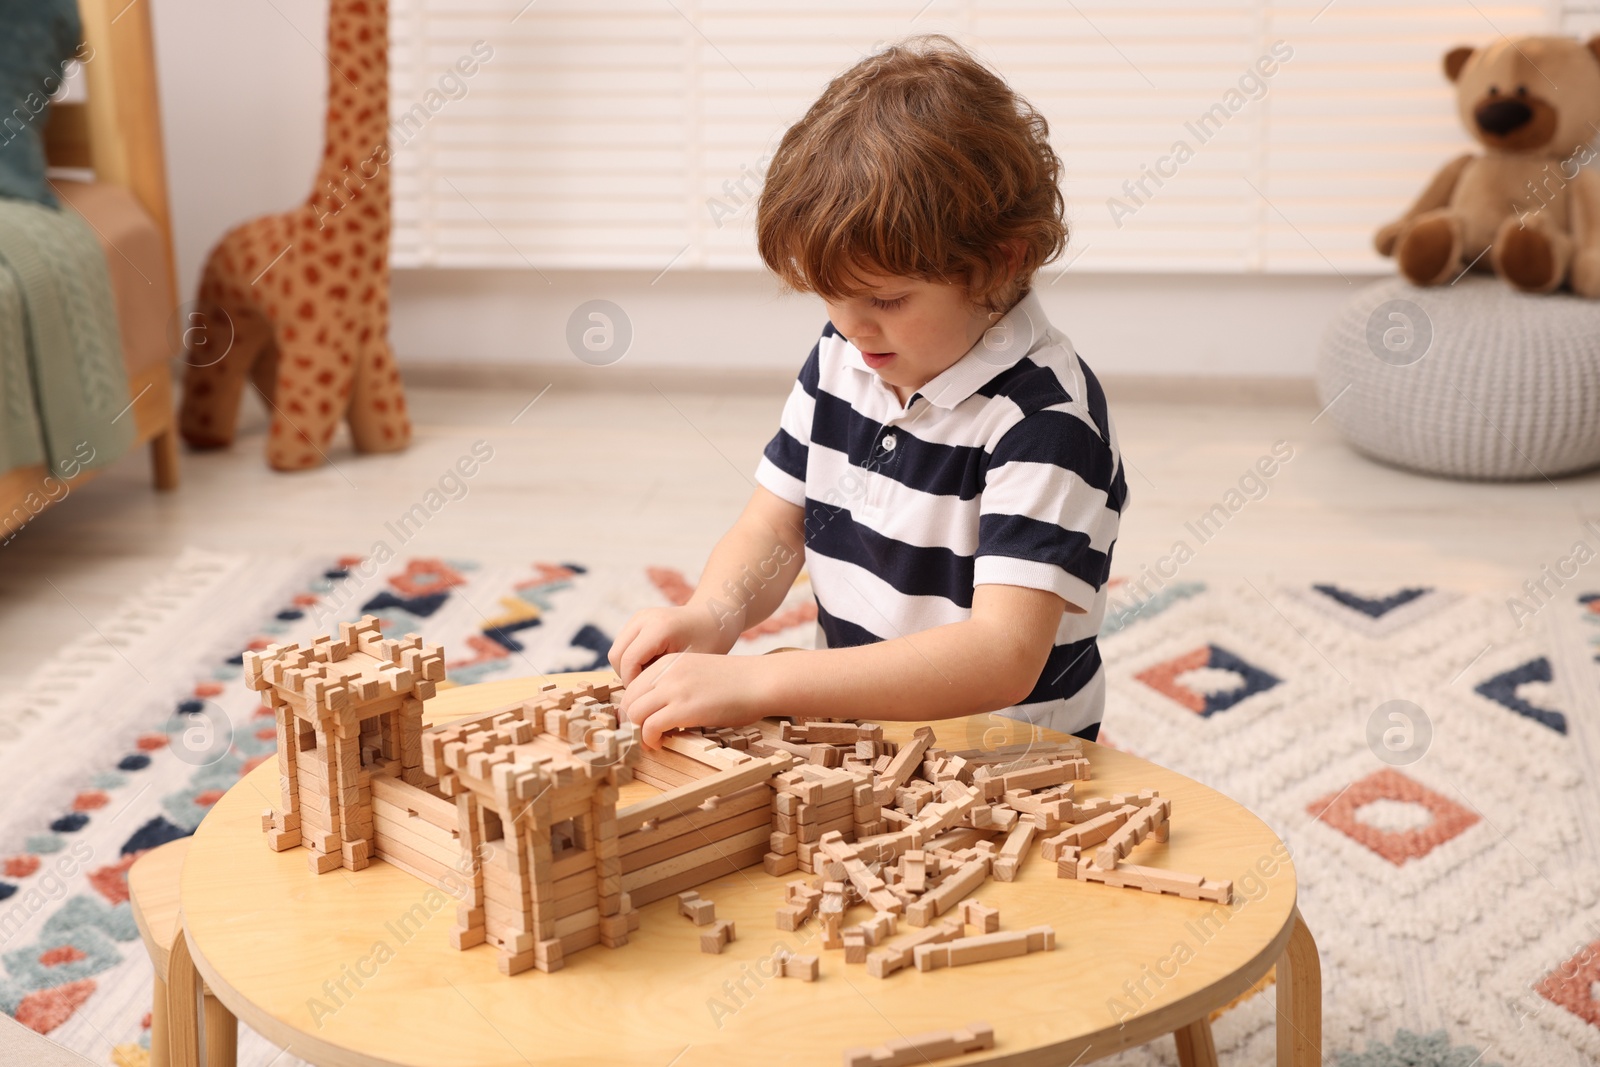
(1524, 207)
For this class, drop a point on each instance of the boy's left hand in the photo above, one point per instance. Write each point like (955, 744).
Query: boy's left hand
(696, 689)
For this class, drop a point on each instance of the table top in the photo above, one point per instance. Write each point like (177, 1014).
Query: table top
(325, 967)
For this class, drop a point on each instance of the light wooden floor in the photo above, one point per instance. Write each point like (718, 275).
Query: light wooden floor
(647, 476)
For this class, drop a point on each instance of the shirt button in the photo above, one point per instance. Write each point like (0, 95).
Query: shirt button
(888, 443)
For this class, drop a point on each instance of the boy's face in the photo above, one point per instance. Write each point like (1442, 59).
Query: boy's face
(909, 330)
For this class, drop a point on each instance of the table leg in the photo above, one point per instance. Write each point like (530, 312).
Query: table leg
(1196, 1048)
(1300, 1000)
(160, 1055)
(183, 1005)
(222, 1034)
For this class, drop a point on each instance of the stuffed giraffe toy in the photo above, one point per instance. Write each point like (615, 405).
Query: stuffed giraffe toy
(298, 302)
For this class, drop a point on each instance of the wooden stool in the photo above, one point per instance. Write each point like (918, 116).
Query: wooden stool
(175, 1027)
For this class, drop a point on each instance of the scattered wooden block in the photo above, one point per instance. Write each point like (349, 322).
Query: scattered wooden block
(920, 1048)
(700, 911)
(714, 939)
(975, 914)
(899, 953)
(805, 968)
(855, 945)
(984, 947)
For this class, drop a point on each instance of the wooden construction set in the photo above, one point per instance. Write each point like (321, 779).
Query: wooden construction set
(514, 811)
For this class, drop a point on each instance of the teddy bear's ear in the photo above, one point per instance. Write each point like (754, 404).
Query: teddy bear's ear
(1457, 58)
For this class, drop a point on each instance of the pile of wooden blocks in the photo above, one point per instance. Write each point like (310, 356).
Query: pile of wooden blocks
(909, 832)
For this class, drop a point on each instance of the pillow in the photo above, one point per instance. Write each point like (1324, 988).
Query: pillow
(38, 39)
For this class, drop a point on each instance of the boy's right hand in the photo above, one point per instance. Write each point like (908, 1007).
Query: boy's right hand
(656, 632)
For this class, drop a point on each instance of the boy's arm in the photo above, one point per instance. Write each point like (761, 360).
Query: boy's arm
(986, 662)
(983, 663)
(751, 569)
(743, 582)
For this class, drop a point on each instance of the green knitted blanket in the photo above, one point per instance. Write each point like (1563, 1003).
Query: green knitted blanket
(63, 388)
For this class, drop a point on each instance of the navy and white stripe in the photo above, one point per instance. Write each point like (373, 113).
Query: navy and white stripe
(1002, 470)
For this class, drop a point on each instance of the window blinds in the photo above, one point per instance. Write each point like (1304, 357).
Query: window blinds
(1196, 136)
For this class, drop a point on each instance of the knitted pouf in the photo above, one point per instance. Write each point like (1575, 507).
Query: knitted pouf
(1471, 380)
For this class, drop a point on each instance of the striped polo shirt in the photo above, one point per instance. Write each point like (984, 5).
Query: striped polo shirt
(1003, 469)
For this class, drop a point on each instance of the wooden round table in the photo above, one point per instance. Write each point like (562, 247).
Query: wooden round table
(356, 969)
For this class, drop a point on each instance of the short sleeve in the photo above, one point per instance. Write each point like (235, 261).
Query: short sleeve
(782, 469)
(1050, 506)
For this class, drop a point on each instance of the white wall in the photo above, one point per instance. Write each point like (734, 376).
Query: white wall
(242, 95)
(1122, 324)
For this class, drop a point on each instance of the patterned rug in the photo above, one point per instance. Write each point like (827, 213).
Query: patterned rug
(1427, 755)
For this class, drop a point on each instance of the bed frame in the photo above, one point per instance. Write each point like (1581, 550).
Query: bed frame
(117, 134)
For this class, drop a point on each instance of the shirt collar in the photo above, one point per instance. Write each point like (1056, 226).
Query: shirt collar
(1021, 330)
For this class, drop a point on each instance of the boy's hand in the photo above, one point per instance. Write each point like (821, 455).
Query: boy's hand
(655, 632)
(693, 689)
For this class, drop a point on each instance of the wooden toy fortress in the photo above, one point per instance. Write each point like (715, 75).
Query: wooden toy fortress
(520, 805)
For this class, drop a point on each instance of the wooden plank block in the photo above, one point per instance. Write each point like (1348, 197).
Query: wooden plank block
(705, 750)
(417, 864)
(1014, 851)
(720, 867)
(400, 821)
(700, 837)
(678, 801)
(948, 893)
(906, 761)
(899, 953)
(435, 810)
(985, 947)
(695, 858)
(922, 1048)
(758, 796)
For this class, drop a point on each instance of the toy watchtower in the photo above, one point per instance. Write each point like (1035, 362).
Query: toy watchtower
(541, 780)
(347, 708)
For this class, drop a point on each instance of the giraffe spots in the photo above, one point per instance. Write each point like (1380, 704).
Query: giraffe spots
(308, 310)
(325, 377)
(333, 259)
(388, 432)
(313, 275)
(380, 405)
(365, 335)
(324, 407)
(303, 362)
(290, 333)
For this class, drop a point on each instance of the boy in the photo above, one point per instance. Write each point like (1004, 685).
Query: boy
(945, 464)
